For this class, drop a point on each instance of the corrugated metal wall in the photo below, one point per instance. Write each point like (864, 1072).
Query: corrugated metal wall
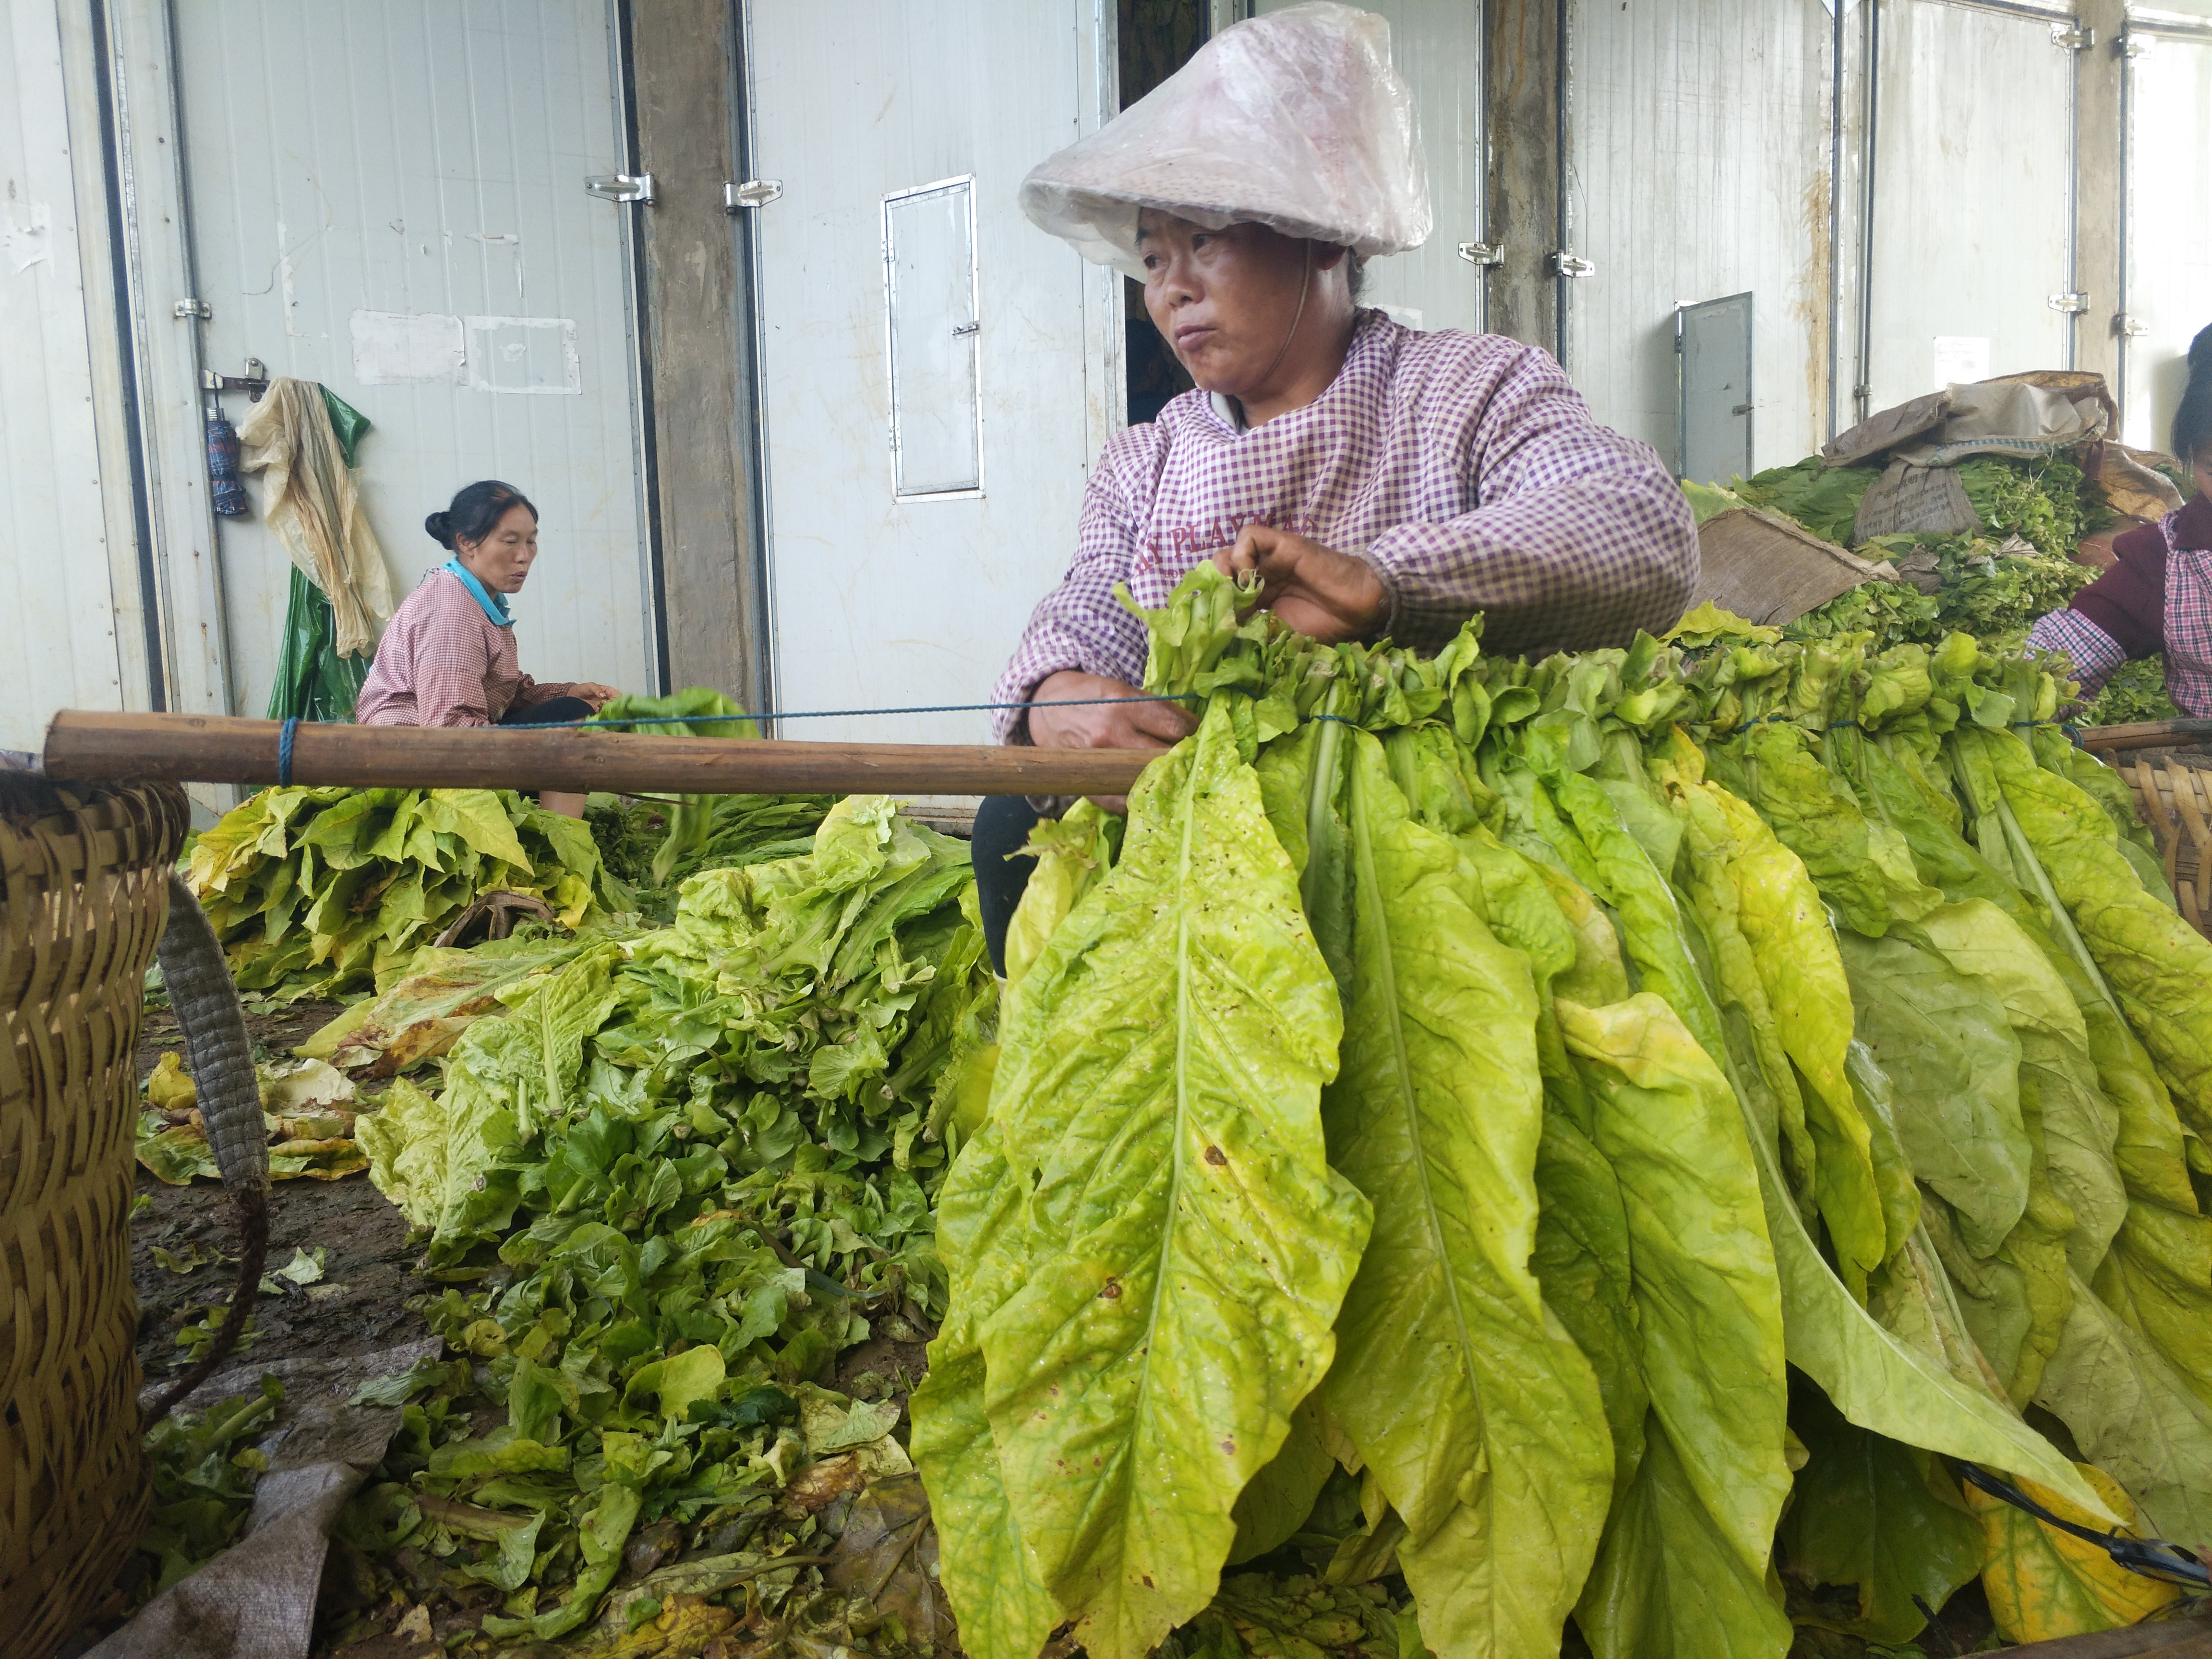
(1698, 160)
(71, 635)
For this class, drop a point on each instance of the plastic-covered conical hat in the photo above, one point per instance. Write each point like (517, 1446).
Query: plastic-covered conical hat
(1295, 120)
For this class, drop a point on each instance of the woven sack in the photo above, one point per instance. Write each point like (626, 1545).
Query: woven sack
(83, 899)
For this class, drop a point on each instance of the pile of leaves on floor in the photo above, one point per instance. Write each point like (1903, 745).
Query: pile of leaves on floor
(332, 890)
(665, 1187)
(1610, 1140)
(2017, 566)
(307, 1108)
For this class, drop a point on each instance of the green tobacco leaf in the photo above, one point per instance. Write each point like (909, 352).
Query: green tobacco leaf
(1005, 1611)
(1868, 1512)
(1073, 856)
(1862, 866)
(2158, 1278)
(1948, 1050)
(2156, 964)
(2134, 1417)
(1670, 1584)
(1581, 1260)
(2080, 1126)
(1795, 949)
(1280, 1498)
(1708, 1301)
(1160, 1083)
(1475, 1411)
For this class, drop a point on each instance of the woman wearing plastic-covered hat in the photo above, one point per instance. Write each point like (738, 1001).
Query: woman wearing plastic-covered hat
(1381, 481)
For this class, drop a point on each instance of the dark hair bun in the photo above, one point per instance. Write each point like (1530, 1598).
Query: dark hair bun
(475, 512)
(441, 526)
(2200, 352)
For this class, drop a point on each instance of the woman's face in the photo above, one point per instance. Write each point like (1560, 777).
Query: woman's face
(502, 559)
(1226, 299)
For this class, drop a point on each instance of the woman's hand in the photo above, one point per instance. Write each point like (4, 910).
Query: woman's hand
(1119, 725)
(1324, 594)
(595, 693)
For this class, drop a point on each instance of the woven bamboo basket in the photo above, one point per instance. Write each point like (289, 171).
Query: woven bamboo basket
(83, 896)
(2176, 798)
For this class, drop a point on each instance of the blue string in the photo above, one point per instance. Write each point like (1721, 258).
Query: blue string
(284, 739)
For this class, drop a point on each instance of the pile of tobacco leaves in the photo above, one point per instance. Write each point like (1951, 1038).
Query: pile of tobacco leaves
(1608, 1144)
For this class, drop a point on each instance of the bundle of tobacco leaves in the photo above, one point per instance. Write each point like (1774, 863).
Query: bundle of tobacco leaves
(1636, 1124)
(335, 889)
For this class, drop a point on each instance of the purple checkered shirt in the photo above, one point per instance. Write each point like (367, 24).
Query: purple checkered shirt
(1463, 467)
(2186, 627)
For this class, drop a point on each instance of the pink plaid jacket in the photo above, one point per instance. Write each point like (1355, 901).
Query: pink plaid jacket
(2186, 628)
(442, 662)
(1463, 467)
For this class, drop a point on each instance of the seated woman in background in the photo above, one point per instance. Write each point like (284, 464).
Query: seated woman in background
(447, 656)
(2157, 595)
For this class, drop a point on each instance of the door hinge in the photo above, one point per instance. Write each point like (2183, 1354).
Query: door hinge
(2075, 303)
(1486, 254)
(1568, 264)
(2127, 327)
(185, 310)
(2072, 35)
(622, 187)
(753, 193)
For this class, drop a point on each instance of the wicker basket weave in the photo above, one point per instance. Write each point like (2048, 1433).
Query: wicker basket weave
(83, 899)
(2176, 798)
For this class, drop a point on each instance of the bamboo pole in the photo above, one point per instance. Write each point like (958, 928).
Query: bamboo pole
(102, 748)
(2147, 734)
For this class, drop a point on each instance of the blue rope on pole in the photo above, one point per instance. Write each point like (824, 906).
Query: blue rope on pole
(284, 740)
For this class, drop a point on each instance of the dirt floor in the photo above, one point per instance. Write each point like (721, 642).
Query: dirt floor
(357, 1306)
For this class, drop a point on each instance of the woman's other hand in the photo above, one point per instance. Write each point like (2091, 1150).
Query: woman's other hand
(1325, 595)
(1138, 723)
(595, 693)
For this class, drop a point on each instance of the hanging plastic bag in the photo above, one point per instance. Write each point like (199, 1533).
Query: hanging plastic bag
(1295, 120)
(313, 682)
(311, 503)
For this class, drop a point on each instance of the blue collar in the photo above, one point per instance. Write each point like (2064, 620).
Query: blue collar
(493, 605)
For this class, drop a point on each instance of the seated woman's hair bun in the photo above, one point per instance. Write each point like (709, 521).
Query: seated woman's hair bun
(475, 512)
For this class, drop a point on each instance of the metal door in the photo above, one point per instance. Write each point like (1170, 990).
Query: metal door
(2168, 257)
(1973, 212)
(934, 378)
(1436, 46)
(391, 201)
(1712, 341)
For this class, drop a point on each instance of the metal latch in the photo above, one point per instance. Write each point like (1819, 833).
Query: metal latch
(254, 382)
(1569, 265)
(1483, 253)
(2072, 35)
(2075, 303)
(960, 329)
(2127, 327)
(622, 187)
(2133, 44)
(186, 310)
(753, 193)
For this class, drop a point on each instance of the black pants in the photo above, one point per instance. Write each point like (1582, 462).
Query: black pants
(559, 712)
(1003, 824)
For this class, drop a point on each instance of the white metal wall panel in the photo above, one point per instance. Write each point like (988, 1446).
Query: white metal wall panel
(2170, 232)
(1973, 154)
(69, 633)
(1699, 167)
(426, 159)
(1437, 46)
(881, 603)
